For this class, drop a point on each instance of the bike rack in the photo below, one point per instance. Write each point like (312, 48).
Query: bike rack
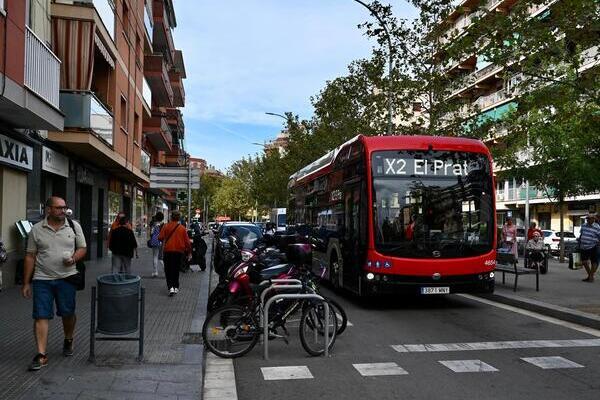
(292, 296)
(282, 284)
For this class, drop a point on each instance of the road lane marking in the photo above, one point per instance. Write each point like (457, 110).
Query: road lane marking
(476, 346)
(551, 362)
(556, 321)
(468, 366)
(281, 373)
(218, 378)
(379, 369)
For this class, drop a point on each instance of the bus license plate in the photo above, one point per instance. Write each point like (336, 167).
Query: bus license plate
(435, 290)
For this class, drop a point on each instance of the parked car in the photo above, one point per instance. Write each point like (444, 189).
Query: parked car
(552, 240)
(247, 235)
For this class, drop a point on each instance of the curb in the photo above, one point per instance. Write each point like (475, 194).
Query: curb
(551, 310)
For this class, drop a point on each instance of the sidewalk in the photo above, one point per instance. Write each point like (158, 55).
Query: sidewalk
(562, 294)
(173, 353)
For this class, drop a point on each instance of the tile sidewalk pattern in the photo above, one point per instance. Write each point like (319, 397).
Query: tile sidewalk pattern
(173, 355)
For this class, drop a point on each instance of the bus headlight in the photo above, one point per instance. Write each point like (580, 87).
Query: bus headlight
(370, 276)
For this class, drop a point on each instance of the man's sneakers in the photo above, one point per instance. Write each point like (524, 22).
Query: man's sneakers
(176, 290)
(171, 292)
(155, 274)
(39, 361)
(68, 347)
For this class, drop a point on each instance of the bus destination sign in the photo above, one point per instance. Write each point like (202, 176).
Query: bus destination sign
(428, 167)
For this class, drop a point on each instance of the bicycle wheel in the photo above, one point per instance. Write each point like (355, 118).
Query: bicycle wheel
(230, 332)
(312, 329)
(342, 318)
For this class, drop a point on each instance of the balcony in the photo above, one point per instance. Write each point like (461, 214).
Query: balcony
(162, 37)
(42, 69)
(83, 111)
(178, 90)
(175, 121)
(157, 131)
(175, 160)
(89, 134)
(589, 58)
(155, 70)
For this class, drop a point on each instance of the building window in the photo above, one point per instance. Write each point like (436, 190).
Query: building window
(137, 132)
(124, 113)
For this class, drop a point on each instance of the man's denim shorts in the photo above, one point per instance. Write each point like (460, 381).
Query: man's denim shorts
(46, 293)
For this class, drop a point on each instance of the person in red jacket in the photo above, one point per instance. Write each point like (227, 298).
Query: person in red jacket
(532, 229)
(176, 246)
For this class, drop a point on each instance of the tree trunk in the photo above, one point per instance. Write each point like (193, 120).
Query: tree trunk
(562, 229)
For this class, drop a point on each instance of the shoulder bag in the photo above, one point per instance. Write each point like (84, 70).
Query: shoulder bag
(78, 279)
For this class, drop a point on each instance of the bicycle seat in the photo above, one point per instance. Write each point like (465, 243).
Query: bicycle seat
(272, 272)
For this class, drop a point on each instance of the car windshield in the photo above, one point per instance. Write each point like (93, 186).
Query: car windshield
(247, 235)
(547, 233)
(432, 204)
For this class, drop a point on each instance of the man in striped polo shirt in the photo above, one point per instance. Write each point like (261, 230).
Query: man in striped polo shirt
(589, 240)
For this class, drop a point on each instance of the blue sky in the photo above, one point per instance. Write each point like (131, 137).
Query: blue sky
(247, 57)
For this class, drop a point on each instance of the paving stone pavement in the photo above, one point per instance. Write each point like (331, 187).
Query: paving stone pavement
(173, 353)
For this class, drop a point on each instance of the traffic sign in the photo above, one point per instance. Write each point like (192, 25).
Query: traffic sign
(174, 178)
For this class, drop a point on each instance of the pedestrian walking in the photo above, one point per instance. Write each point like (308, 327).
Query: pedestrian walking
(589, 241)
(53, 249)
(122, 244)
(509, 237)
(176, 246)
(154, 243)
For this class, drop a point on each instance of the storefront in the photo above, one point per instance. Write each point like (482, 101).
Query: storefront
(55, 173)
(16, 161)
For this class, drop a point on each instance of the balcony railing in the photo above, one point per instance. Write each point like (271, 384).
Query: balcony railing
(42, 69)
(84, 111)
(145, 162)
(492, 99)
(147, 93)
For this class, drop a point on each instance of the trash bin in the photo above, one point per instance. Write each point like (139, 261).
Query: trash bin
(118, 304)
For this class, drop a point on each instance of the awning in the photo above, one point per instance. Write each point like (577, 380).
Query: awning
(103, 51)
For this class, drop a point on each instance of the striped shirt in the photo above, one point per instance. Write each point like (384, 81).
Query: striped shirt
(589, 237)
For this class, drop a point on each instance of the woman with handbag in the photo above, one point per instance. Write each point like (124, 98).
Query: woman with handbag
(176, 246)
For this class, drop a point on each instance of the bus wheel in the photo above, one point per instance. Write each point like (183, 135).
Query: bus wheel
(334, 275)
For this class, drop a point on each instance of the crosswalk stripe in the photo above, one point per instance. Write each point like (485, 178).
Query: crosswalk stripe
(473, 346)
(284, 373)
(468, 366)
(551, 362)
(379, 369)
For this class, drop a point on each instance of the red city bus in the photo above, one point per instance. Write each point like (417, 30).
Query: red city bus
(400, 214)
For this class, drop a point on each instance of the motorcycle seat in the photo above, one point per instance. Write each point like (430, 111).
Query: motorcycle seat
(275, 270)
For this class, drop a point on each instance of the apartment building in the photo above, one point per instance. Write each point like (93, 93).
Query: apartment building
(483, 86)
(164, 70)
(29, 107)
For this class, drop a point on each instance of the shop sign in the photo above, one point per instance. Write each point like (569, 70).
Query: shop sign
(15, 153)
(85, 175)
(55, 162)
(139, 193)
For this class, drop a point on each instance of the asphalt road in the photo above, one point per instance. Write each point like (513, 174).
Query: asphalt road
(499, 372)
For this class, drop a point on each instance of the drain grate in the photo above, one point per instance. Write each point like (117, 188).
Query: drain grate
(192, 338)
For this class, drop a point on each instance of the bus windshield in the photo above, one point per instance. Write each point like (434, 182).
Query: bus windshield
(434, 204)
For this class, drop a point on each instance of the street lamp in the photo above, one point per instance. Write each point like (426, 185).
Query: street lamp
(277, 115)
(390, 61)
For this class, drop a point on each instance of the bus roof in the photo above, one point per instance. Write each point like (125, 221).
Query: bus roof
(324, 164)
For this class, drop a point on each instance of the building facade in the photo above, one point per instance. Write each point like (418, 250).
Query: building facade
(29, 107)
(485, 87)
